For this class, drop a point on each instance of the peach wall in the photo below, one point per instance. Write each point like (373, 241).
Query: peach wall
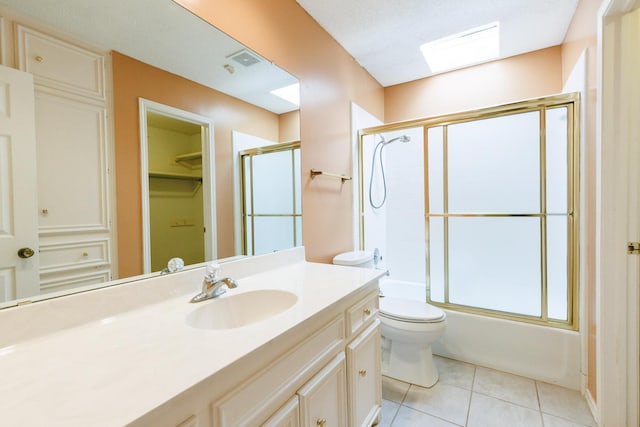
(499, 82)
(330, 80)
(133, 79)
(289, 126)
(582, 35)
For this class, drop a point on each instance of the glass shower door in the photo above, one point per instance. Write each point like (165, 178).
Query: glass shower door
(272, 210)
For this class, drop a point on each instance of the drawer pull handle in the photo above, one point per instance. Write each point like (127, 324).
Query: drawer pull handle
(363, 372)
(321, 422)
(39, 58)
(84, 254)
(367, 312)
(44, 211)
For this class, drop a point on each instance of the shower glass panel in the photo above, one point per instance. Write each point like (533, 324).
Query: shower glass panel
(494, 263)
(557, 209)
(494, 165)
(273, 171)
(436, 274)
(435, 169)
(557, 250)
(556, 156)
(272, 234)
(297, 185)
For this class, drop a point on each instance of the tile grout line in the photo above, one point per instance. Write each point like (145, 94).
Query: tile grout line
(400, 405)
(539, 403)
(393, 419)
(473, 383)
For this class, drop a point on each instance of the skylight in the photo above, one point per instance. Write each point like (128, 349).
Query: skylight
(289, 93)
(460, 50)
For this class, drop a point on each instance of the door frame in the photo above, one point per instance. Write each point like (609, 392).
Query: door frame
(617, 213)
(208, 176)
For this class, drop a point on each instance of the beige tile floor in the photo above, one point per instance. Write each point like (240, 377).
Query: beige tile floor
(472, 396)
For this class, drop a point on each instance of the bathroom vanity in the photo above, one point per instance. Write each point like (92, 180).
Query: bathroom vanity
(295, 344)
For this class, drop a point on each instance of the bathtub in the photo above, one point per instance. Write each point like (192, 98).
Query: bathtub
(542, 353)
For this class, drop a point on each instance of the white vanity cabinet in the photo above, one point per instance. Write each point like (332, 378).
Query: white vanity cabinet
(325, 373)
(72, 131)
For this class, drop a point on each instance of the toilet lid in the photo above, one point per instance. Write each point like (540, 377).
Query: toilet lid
(410, 310)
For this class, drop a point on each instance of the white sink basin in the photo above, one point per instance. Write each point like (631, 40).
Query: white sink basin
(234, 311)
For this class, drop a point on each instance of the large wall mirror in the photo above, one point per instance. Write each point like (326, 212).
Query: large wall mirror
(92, 63)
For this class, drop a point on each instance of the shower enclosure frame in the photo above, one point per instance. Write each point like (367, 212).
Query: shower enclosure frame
(247, 211)
(572, 102)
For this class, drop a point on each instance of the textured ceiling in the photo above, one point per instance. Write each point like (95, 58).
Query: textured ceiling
(163, 34)
(384, 35)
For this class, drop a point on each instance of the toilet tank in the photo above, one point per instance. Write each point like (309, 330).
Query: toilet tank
(363, 259)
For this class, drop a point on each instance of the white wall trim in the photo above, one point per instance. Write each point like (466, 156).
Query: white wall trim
(208, 175)
(577, 82)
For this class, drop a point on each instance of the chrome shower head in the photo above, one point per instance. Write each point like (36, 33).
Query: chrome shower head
(402, 138)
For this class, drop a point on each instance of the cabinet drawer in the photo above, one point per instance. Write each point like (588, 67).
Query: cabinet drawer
(363, 376)
(281, 379)
(322, 399)
(61, 282)
(59, 64)
(58, 257)
(361, 313)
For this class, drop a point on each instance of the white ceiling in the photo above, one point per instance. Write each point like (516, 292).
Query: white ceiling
(162, 34)
(384, 36)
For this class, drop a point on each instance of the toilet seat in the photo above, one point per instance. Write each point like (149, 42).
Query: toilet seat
(410, 311)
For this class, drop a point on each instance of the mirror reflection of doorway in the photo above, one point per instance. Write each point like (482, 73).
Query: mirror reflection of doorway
(179, 220)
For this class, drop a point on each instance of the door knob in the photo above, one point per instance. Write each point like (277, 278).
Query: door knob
(25, 252)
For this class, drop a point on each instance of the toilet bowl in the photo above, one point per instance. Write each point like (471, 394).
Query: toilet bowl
(409, 327)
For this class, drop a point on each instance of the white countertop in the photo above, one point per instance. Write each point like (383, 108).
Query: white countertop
(113, 370)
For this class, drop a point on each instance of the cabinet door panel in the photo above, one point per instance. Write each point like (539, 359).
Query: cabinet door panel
(72, 167)
(59, 64)
(287, 416)
(323, 399)
(364, 378)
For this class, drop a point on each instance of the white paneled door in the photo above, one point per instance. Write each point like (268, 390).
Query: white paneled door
(18, 203)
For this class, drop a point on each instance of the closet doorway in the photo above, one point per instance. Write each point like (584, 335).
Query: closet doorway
(178, 187)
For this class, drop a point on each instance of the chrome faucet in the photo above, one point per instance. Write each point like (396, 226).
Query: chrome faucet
(212, 287)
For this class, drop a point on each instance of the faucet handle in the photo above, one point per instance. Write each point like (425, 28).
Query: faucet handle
(213, 270)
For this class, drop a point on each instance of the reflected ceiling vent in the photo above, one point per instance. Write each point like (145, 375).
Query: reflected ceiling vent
(245, 58)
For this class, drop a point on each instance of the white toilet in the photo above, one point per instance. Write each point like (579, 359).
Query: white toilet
(409, 327)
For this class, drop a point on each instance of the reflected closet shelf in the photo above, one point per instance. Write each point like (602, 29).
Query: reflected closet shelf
(179, 176)
(190, 160)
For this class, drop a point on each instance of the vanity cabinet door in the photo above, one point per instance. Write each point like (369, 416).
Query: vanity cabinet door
(323, 399)
(287, 416)
(364, 376)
